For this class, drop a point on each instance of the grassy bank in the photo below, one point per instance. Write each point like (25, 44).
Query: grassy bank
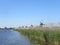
(42, 37)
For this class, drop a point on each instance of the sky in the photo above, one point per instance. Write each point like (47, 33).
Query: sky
(26, 12)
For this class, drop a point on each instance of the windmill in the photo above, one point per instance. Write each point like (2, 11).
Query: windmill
(41, 23)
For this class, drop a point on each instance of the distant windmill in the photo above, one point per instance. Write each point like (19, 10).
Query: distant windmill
(41, 24)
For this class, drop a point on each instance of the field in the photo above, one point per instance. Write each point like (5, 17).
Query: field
(42, 37)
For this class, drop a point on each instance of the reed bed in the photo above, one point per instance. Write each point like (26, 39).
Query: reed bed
(41, 37)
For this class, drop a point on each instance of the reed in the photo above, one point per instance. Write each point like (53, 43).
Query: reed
(42, 37)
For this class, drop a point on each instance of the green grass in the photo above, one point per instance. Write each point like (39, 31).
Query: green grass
(42, 37)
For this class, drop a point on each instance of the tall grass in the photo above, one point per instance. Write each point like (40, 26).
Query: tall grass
(42, 37)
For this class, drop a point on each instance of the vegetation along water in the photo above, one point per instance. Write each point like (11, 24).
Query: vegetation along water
(41, 37)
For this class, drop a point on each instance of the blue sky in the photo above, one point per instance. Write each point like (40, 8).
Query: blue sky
(26, 12)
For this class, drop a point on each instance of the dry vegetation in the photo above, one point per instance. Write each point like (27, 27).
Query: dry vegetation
(45, 36)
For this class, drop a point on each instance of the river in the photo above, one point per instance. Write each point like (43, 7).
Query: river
(11, 37)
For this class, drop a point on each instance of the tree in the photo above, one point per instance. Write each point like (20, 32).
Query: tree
(31, 25)
(22, 26)
(26, 26)
(5, 27)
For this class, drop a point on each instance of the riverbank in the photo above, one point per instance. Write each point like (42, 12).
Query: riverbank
(42, 37)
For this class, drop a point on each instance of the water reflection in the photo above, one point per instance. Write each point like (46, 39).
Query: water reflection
(10, 37)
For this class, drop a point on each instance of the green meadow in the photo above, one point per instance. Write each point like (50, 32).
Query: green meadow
(41, 37)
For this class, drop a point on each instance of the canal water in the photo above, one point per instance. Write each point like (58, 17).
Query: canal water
(11, 37)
